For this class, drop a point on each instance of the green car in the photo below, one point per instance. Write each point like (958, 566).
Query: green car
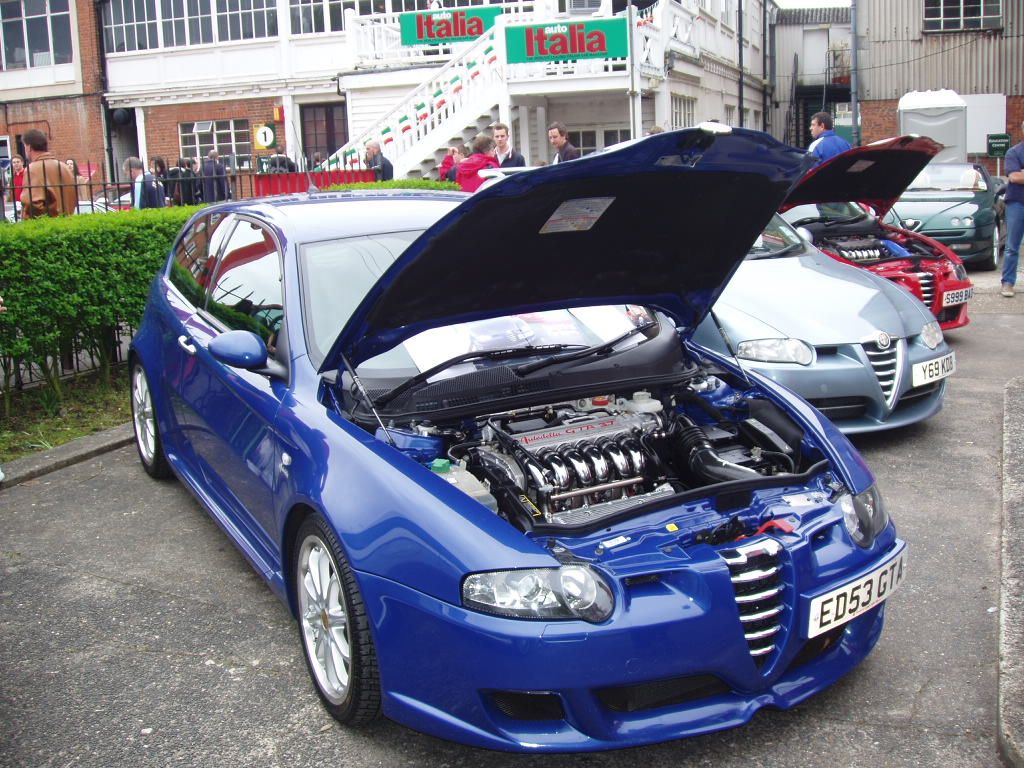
(955, 203)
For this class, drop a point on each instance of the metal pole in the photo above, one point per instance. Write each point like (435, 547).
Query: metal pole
(854, 79)
(635, 127)
(739, 27)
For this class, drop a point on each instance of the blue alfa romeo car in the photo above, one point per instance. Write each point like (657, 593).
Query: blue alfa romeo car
(469, 442)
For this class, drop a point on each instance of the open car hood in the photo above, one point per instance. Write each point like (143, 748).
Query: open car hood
(875, 174)
(662, 221)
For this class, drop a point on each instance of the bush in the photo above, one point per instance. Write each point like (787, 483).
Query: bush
(76, 278)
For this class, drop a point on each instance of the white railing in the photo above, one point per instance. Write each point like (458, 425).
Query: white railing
(440, 107)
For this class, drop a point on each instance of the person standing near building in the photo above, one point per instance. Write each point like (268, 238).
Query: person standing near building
(146, 191)
(17, 178)
(215, 178)
(51, 188)
(1013, 219)
(376, 162)
(503, 150)
(826, 142)
(467, 173)
(559, 139)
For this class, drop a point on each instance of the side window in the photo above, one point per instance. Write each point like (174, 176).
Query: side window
(192, 266)
(246, 293)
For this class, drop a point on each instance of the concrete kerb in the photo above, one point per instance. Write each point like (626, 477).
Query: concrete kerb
(1010, 713)
(82, 449)
(1010, 724)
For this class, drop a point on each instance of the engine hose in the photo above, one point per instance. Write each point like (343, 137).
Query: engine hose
(701, 457)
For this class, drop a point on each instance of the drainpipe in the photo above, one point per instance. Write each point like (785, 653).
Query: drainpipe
(98, 10)
(739, 28)
(854, 79)
(766, 122)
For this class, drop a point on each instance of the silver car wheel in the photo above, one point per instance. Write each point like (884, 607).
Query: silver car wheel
(323, 619)
(143, 418)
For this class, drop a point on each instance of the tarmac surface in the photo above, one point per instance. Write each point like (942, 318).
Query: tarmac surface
(89, 457)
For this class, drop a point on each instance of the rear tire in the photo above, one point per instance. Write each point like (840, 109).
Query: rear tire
(333, 626)
(147, 433)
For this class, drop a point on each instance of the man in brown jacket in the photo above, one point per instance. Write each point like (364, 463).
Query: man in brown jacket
(51, 188)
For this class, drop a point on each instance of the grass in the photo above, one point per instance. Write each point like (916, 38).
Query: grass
(38, 424)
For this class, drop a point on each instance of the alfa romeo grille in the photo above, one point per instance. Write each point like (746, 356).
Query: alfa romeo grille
(927, 280)
(757, 581)
(885, 362)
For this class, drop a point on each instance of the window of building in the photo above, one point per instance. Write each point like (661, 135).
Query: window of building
(613, 136)
(310, 16)
(729, 13)
(231, 138)
(130, 25)
(35, 33)
(730, 114)
(186, 22)
(246, 19)
(957, 15)
(584, 141)
(684, 111)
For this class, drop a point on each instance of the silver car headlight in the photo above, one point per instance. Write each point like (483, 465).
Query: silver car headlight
(931, 334)
(864, 515)
(568, 592)
(776, 351)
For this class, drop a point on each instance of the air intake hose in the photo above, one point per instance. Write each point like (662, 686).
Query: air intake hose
(697, 453)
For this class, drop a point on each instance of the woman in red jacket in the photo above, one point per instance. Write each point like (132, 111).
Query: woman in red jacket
(467, 172)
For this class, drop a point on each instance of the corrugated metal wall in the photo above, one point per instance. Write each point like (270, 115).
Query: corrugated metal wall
(896, 56)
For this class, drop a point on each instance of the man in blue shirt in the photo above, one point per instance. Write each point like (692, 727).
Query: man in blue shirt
(1013, 219)
(826, 143)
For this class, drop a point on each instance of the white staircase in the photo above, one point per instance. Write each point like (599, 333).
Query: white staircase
(453, 104)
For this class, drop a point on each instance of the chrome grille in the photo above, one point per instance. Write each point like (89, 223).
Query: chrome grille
(756, 578)
(886, 363)
(927, 281)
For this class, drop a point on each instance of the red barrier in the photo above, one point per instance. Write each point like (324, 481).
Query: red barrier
(286, 183)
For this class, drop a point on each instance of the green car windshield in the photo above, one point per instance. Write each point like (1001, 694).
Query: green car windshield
(949, 177)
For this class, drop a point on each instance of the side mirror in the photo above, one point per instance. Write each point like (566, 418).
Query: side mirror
(805, 234)
(239, 349)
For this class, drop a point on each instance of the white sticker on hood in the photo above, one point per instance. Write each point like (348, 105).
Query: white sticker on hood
(577, 215)
(860, 166)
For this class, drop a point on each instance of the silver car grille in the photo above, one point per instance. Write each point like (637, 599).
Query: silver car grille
(757, 580)
(887, 363)
(927, 281)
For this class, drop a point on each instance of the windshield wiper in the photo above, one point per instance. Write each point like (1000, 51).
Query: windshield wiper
(767, 254)
(607, 346)
(847, 219)
(493, 354)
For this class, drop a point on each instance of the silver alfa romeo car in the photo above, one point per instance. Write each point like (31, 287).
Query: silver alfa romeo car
(858, 347)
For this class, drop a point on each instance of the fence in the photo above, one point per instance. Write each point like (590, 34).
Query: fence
(182, 188)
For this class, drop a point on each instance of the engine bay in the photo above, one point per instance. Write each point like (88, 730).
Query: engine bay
(582, 462)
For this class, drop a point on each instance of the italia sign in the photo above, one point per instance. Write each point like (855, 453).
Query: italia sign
(568, 41)
(441, 27)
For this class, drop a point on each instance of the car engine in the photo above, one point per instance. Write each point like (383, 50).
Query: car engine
(580, 462)
(863, 249)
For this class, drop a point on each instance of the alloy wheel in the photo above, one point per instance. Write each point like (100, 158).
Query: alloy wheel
(324, 619)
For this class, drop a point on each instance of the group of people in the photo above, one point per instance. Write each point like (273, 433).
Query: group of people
(44, 186)
(187, 183)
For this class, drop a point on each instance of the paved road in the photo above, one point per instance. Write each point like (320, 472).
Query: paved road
(132, 633)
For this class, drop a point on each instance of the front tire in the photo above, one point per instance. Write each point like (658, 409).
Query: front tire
(992, 260)
(147, 433)
(333, 626)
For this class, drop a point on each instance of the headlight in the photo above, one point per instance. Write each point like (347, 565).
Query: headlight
(955, 221)
(960, 271)
(568, 592)
(776, 351)
(968, 221)
(864, 515)
(931, 335)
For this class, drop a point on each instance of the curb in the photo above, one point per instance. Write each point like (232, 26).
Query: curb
(1010, 711)
(82, 449)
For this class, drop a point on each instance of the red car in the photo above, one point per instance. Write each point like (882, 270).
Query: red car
(844, 203)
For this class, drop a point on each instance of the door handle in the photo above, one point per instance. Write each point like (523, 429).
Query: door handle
(183, 342)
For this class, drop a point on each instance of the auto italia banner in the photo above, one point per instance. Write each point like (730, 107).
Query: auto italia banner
(448, 26)
(568, 41)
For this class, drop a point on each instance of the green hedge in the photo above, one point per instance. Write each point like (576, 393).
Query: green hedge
(76, 277)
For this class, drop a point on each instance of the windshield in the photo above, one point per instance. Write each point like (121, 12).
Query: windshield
(949, 177)
(811, 213)
(777, 239)
(337, 275)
